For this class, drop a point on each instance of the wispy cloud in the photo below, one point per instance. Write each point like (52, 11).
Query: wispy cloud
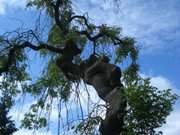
(8, 4)
(155, 25)
(173, 124)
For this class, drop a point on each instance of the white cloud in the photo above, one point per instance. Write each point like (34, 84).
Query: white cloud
(173, 124)
(18, 111)
(162, 83)
(4, 4)
(155, 25)
(32, 132)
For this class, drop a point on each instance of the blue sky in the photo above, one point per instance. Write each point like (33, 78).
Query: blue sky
(154, 24)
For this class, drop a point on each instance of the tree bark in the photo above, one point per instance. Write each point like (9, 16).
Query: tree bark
(105, 78)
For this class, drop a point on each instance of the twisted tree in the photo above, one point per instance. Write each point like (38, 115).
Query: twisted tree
(70, 36)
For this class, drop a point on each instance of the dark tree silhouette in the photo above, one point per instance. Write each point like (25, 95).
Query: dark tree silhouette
(7, 126)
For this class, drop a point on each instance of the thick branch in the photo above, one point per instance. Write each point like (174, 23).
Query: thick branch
(56, 14)
(115, 40)
(12, 51)
(41, 46)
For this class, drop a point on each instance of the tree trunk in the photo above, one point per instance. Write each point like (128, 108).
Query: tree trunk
(105, 78)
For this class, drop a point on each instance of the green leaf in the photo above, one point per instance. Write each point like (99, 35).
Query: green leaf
(42, 122)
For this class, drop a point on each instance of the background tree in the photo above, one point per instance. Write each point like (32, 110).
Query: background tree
(7, 126)
(72, 40)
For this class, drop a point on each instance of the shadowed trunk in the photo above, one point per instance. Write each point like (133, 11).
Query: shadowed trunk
(105, 78)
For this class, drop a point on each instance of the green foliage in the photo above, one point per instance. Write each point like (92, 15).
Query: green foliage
(3, 61)
(147, 109)
(41, 4)
(31, 121)
(53, 82)
(51, 86)
(55, 36)
(88, 126)
(130, 74)
(127, 48)
(110, 33)
(7, 85)
(48, 6)
(17, 71)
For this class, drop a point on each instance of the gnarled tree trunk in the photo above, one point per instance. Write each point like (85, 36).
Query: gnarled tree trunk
(105, 78)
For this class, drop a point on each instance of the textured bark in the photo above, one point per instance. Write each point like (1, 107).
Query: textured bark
(114, 120)
(105, 78)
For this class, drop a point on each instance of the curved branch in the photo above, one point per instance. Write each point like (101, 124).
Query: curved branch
(12, 51)
(115, 40)
(41, 46)
(94, 38)
(80, 17)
